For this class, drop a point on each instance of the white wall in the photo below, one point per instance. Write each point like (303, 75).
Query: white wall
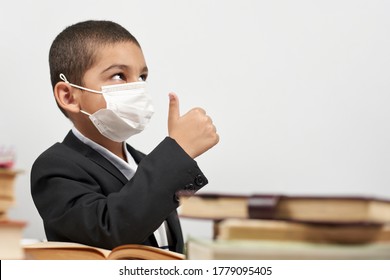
(299, 90)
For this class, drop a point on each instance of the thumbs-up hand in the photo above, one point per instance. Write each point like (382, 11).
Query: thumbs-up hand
(194, 131)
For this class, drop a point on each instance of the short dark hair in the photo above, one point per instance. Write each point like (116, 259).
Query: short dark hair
(74, 50)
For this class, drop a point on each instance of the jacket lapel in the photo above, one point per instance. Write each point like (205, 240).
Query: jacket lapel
(73, 142)
(137, 155)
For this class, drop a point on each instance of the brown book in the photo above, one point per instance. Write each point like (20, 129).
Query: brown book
(333, 209)
(198, 249)
(10, 240)
(7, 197)
(74, 251)
(349, 233)
(7, 183)
(5, 204)
(3, 216)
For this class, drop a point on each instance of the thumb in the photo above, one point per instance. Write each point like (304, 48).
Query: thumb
(174, 110)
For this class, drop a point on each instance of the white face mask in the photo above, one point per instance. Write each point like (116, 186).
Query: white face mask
(129, 109)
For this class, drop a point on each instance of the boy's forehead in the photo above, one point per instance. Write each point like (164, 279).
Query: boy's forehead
(125, 53)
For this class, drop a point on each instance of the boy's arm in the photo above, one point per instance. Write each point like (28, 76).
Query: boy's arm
(69, 194)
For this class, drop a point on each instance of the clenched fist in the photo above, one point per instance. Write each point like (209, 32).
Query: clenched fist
(194, 131)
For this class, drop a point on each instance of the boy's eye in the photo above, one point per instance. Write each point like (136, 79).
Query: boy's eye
(143, 78)
(119, 77)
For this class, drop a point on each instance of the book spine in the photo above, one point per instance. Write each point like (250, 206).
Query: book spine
(263, 206)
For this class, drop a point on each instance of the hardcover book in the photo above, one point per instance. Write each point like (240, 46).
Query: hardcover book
(315, 209)
(10, 236)
(283, 250)
(7, 196)
(349, 233)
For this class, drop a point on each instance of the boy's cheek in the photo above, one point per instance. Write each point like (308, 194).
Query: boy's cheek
(93, 102)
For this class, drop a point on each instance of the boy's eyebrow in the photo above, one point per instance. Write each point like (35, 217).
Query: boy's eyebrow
(122, 67)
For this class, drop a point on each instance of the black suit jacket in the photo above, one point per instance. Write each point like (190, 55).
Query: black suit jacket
(83, 198)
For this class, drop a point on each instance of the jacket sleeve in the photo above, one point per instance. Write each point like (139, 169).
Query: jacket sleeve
(68, 195)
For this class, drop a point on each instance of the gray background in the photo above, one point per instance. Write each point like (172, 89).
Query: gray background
(299, 90)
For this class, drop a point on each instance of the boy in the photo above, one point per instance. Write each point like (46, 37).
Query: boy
(93, 188)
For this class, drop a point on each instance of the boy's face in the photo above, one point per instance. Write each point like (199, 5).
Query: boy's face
(114, 64)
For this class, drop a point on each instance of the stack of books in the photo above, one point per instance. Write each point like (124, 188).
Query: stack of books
(7, 194)
(290, 227)
(10, 230)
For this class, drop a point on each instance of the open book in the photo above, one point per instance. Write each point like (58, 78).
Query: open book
(315, 209)
(74, 251)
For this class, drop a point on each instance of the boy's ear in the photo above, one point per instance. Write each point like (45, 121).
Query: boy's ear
(66, 98)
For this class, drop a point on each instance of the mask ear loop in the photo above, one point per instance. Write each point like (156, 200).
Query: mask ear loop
(62, 77)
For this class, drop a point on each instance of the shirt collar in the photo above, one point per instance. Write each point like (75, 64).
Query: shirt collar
(127, 168)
